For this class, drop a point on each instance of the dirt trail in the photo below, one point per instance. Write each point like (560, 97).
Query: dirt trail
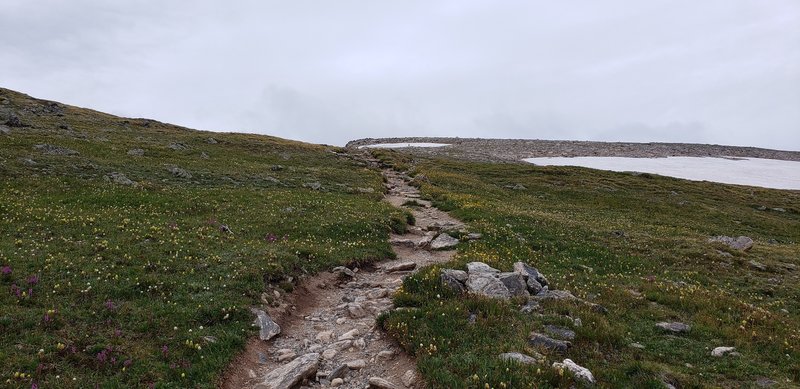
(333, 314)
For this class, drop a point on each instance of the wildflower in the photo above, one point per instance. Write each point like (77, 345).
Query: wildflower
(102, 356)
(165, 350)
(33, 280)
(110, 305)
(5, 270)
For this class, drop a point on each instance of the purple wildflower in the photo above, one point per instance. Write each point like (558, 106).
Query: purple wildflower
(33, 280)
(165, 350)
(16, 291)
(34, 386)
(127, 363)
(102, 356)
(271, 237)
(5, 270)
(110, 305)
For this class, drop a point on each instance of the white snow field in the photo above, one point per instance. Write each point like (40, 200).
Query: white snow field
(400, 145)
(767, 173)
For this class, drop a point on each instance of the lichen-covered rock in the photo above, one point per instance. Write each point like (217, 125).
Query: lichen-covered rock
(443, 241)
(515, 284)
(581, 373)
(742, 243)
(529, 272)
(674, 326)
(487, 284)
(519, 358)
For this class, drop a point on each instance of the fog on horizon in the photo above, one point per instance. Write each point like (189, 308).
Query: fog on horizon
(724, 72)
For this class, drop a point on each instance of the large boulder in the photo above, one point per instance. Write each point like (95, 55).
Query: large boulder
(292, 373)
(480, 267)
(454, 280)
(530, 272)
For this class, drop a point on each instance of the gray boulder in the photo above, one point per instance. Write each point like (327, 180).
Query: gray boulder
(268, 329)
(519, 358)
(480, 267)
(292, 373)
(676, 327)
(742, 243)
(136, 152)
(515, 284)
(452, 282)
(4, 130)
(119, 178)
(560, 332)
(178, 172)
(581, 373)
(530, 272)
(487, 284)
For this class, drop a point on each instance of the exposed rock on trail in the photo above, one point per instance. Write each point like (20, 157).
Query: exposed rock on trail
(327, 334)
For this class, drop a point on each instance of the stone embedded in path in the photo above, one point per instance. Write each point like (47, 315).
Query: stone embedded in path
(675, 326)
(268, 328)
(349, 335)
(402, 266)
(380, 383)
(356, 311)
(742, 243)
(402, 242)
(292, 373)
(409, 378)
(286, 355)
(345, 271)
(543, 341)
(356, 364)
(581, 373)
(720, 351)
(385, 355)
(329, 353)
(325, 336)
(519, 358)
(443, 241)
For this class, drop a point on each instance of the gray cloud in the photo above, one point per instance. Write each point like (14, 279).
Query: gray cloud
(715, 71)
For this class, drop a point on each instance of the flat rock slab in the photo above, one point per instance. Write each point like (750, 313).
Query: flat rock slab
(539, 340)
(267, 327)
(487, 284)
(519, 358)
(380, 383)
(676, 327)
(402, 266)
(292, 373)
(443, 241)
(560, 332)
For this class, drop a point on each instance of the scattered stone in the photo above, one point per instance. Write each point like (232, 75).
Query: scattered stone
(519, 358)
(13, 121)
(515, 284)
(742, 243)
(286, 355)
(27, 162)
(337, 382)
(401, 242)
(178, 172)
(637, 345)
(345, 271)
(356, 364)
(349, 335)
(409, 378)
(539, 340)
(325, 336)
(356, 311)
(547, 294)
(443, 241)
(581, 373)
(54, 150)
(119, 178)
(360, 343)
(675, 327)
(338, 372)
(385, 355)
(380, 383)
(136, 152)
(329, 353)
(474, 236)
(4, 130)
(720, 351)
(560, 332)
(177, 146)
(757, 265)
(268, 328)
(292, 373)
(764, 382)
(203, 155)
(211, 141)
(402, 266)
(531, 306)
(377, 293)
(313, 185)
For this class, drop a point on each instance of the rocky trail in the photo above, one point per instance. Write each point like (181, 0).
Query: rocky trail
(327, 329)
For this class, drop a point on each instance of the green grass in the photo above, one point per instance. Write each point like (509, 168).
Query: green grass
(638, 246)
(138, 285)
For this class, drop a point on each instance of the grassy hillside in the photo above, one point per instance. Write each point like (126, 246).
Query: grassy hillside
(130, 250)
(635, 244)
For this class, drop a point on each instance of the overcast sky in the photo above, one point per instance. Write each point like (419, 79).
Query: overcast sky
(708, 71)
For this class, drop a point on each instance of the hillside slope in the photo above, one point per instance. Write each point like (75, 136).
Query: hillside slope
(131, 250)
